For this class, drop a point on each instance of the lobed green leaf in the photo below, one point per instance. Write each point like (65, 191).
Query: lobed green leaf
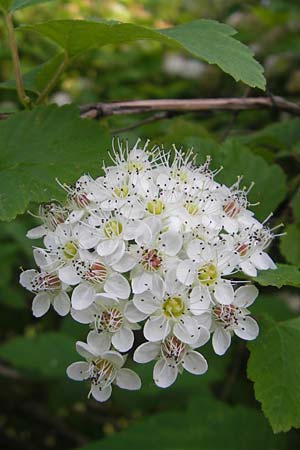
(274, 367)
(290, 244)
(205, 39)
(207, 424)
(238, 160)
(284, 275)
(39, 146)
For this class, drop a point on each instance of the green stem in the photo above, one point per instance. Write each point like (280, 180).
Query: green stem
(50, 85)
(16, 60)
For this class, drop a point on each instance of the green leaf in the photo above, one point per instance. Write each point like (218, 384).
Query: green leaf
(282, 135)
(205, 39)
(47, 355)
(207, 424)
(238, 160)
(14, 5)
(271, 305)
(39, 146)
(290, 244)
(36, 79)
(274, 367)
(284, 275)
(295, 204)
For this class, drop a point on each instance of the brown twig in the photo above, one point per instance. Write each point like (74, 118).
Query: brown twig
(97, 110)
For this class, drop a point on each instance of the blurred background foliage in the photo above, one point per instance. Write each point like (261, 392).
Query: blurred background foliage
(39, 407)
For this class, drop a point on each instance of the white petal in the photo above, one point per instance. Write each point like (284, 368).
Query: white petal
(84, 350)
(41, 304)
(199, 299)
(141, 283)
(37, 232)
(224, 292)
(98, 343)
(101, 395)
(146, 302)
(204, 320)
(83, 296)
(123, 340)
(126, 263)
(117, 286)
(128, 379)
(78, 371)
(118, 254)
(83, 316)
(245, 296)
(186, 272)
(248, 268)
(157, 287)
(146, 352)
(171, 242)
(107, 247)
(230, 225)
(186, 329)
(156, 329)
(247, 328)
(133, 314)
(204, 337)
(26, 278)
(195, 363)
(221, 341)
(87, 237)
(68, 275)
(114, 357)
(163, 374)
(262, 261)
(42, 258)
(61, 303)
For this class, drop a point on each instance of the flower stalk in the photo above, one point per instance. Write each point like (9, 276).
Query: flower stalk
(24, 99)
(52, 82)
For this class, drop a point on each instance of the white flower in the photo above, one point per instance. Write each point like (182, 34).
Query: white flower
(103, 367)
(153, 244)
(106, 315)
(172, 357)
(233, 319)
(153, 257)
(51, 214)
(48, 289)
(170, 307)
(250, 245)
(205, 266)
(78, 201)
(62, 248)
(234, 214)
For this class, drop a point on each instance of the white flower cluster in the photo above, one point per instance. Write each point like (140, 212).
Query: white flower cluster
(149, 246)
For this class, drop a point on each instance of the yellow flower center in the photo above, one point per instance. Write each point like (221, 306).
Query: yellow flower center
(179, 174)
(121, 192)
(112, 229)
(155, 207)
(173, 307)
(70, 250)
(134, 166)
(207, 274)
(191, 208)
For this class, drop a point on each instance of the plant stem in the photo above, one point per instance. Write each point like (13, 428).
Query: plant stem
(16, 60)
(50, 85)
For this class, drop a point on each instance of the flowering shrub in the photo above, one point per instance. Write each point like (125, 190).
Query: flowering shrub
(153, 245)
